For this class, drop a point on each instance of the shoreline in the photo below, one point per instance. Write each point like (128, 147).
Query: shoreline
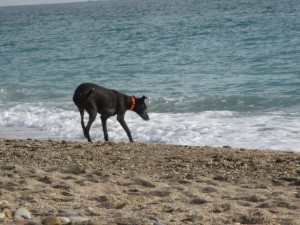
(137, 183)
(37, 134)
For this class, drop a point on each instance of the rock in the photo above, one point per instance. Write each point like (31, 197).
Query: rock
(144, 183)
(157, 223)
(78, 219)
(46, 180)
(64, 220)
(221, 208)
(22, 214)
(226, 146)
(189, 176)
(198, 201)
(52, 220)
(209, 189)
(34, 149)
(297, 195)
(254, 198)
(8, 166)
(101, 198)
(193, 217)
(2, 216)
(90, 212)
(68, 158)
(217, 158)
(8, 213)
(66, 213)
(4, 204)
(160, 193)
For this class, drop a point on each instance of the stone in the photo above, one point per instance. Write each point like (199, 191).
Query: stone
(226, 146)
(66, 213)
(198, 201)
(209, 189)
(34, 149)
(46, 180)
(2, 216)
(297, 195)
(8, 213)
(217, 158)
(4, 204)
(8, 166)
(52, 220)
(64, 220)
(160, 193)
(22, 214)
(78, 219)
(193, 217)
(157, 223)
(144, 183)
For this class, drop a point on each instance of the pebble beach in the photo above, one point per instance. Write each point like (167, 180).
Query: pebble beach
(60, 182)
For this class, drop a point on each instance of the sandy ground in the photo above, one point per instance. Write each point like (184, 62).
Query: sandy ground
(136, 183)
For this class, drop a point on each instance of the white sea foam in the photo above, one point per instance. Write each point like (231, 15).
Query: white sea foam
(276, 131)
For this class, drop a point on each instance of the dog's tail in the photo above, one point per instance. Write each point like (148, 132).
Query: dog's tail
(79, 96)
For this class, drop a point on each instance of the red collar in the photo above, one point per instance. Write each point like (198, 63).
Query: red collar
(132, 103)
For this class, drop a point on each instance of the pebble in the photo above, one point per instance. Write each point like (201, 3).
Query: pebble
(64, 219)
(157, 223)
(297, 195)
(217, 158)
(198, 201)
(52, 220)
(161, 193)
(8, 166)
(226, 146)
(78, 219)
(193, 217)
(22, 214)
(23, 217)
(8, 213)
(145, 183)
(4, 204)
(2, 216)
(66, 213)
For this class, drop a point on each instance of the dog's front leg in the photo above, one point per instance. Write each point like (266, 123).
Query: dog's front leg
(121, 120)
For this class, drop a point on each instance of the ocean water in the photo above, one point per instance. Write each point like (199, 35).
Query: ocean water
(215, 72)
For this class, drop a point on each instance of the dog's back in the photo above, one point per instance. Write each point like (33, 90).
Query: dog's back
(92, 97)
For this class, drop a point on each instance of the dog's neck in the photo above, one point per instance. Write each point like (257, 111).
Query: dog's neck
(132, 102)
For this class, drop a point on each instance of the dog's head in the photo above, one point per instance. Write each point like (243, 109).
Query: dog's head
(141, 108)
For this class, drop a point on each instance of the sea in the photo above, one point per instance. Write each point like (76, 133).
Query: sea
(215, 72)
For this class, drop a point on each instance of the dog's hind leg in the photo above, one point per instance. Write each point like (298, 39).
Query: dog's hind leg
(81, 110)
(92, 116)
(103, 120)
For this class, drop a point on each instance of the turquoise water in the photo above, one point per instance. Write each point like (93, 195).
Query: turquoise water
(234, 62)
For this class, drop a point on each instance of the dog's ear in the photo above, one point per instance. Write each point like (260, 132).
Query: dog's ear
(141, 99)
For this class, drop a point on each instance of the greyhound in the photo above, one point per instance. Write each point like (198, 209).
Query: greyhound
(107, 102)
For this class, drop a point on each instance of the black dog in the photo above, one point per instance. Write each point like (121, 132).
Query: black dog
(96, 99)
